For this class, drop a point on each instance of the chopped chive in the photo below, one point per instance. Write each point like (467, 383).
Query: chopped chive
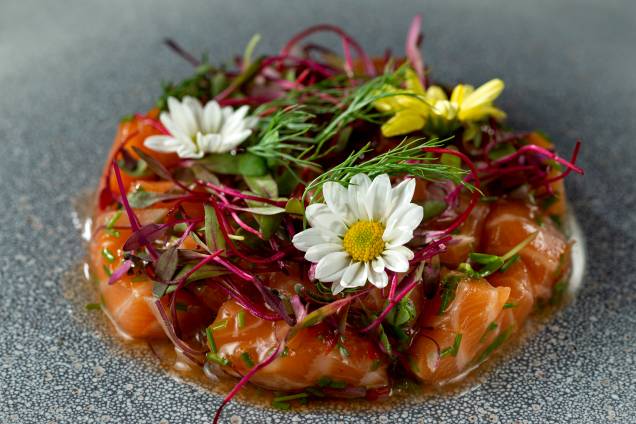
(247, 359)
(549, 202)
(449, 287)
(219, 325)
(315, 392)
(375, 364)
(452, 350)
(343, 350)
(509, 305)
(210, 336)
(281, 405)
(324, 381)
(240, 319)
(218, 359)
(107, 270)
(113, 219)
(492, 326)
(108, 255)
(126, 118)
(509, 263)
(499, 340)
(558, 291)
(181, 307)
(519, 246)
(93, 306)
(384, 340)
(113, 232)
(413, 364)
(285, 352)
(290, 397)
(488, 199)
(337, 384)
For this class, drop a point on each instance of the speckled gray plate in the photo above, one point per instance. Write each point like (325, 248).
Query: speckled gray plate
(69, 70)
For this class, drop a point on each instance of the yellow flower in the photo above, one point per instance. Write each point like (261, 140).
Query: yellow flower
(432, 111)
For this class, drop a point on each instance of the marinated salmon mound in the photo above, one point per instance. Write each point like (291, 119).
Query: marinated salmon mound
(133, 133)
(126, 300)
(559, 206)
(312, 355)
(521, 299)
(468, 239)
(547, 256)
(457, 331)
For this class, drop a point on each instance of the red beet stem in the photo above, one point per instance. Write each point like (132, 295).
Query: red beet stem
(366, 61)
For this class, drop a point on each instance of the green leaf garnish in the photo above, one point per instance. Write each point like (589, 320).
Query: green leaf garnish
(454, 349)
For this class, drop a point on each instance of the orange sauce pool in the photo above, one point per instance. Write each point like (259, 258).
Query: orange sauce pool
(80, 289)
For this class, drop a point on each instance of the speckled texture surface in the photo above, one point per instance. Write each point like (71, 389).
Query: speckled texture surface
(69, 70)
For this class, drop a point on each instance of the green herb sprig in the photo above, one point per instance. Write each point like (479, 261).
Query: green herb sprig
(407, 158)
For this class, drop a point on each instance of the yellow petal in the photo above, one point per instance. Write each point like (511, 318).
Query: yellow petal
(480, 113)
(484, 95)
(413, 83)
(460, 92)
(387, 103)
(445, 109)
(384, 105)
(435, 93)
(403, 122)
(415, 104)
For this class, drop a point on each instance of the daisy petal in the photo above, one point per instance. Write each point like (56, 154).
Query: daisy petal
(319, 215)
(209, 143)
(378, 279)
(182, 117)
(231, 141)
(189, 151)
(162, 143)
(212, 116)
(235, 121)
(194, 105)
(313, 236)
(336, 288)
(402, 194)
(395, 260)
(378, 197)
(331, 264)
(397, 236)
(317, 252)
(174, 129)
(357, 193)
(404, 251)
(336, 199)
(408, 216)
(377, 264)
(355, 275)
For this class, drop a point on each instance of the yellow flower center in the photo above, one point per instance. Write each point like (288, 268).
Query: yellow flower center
(363, 240)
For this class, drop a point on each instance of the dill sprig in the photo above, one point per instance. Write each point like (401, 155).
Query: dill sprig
(359, 105)
(300, 134)
(284, 137)
(407, 158)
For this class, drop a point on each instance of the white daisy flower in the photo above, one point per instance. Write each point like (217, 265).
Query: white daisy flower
(360, 231)
(195, 130)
